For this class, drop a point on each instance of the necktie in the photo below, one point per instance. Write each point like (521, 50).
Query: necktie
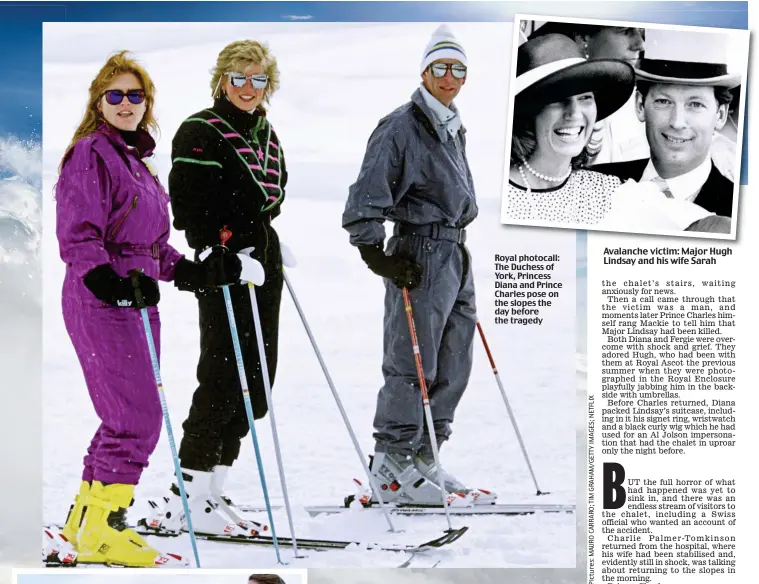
(663, 186)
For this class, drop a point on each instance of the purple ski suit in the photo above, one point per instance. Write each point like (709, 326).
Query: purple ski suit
(111, 209)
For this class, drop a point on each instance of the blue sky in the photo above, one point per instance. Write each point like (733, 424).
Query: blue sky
(20, 68)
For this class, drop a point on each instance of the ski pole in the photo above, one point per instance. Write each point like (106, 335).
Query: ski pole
(249, 412)
(135, 276)
(269, 402)
(372, 480)
(426, 403)
(225, 235)
(508, 408)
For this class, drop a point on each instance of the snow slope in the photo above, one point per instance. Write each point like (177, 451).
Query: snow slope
(21, 321)
(290, 576)
(337, 81)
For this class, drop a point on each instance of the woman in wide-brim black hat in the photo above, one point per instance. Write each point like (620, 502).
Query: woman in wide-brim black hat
(559, 96)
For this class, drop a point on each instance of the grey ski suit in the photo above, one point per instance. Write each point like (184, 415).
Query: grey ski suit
(417, 176)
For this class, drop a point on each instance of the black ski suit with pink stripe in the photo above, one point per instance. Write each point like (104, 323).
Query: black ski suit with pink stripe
(228, 170)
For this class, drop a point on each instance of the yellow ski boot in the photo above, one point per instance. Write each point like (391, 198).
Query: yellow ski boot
(75, 514)
(104, 537)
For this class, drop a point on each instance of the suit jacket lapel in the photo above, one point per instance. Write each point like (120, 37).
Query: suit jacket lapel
(716, 195)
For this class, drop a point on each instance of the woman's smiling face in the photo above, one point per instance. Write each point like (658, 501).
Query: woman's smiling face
(563, 128)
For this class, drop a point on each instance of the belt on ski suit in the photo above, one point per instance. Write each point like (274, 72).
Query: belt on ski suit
(152, 250)
(433, 231)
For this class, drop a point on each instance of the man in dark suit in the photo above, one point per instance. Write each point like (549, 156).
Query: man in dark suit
(683, 103)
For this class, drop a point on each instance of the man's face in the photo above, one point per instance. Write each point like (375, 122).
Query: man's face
(614, 42)
(445, 88)
(680, 123)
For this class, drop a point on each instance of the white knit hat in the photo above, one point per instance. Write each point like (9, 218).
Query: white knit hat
(442, 45)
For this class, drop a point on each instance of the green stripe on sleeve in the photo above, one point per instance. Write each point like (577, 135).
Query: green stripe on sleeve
(194, 161)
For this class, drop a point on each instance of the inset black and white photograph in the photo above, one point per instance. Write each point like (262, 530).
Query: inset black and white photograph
(627, 127)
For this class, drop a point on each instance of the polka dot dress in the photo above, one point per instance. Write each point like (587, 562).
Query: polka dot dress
(584, 198)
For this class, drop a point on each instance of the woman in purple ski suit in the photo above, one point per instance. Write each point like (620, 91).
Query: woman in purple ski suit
(112, 219)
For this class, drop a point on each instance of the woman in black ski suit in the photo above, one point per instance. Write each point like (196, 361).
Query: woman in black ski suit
(228, 175)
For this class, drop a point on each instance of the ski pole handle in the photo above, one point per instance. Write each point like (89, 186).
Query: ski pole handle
(225, 235)
(139, 298)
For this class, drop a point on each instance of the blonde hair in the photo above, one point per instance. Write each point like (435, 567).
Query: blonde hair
(116, 65)
(238, 56)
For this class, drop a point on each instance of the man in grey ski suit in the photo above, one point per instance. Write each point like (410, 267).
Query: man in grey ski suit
(415, 173)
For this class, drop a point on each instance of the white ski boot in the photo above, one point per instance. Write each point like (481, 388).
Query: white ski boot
(426, 466)
(401, 483)
(57, 549)
(230, 509)
(207, 516)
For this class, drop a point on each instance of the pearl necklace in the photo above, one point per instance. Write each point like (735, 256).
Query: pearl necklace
(524, 179)
(545, 177)
(522, 173)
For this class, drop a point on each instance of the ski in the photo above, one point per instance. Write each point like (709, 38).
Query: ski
(57, 552)
(313, 544)
(495, 509)
(419, 561)
(413, 561)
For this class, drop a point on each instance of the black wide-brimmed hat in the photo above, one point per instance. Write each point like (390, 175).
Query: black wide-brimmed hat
(551, 68)
(685, 57)
(566, 28)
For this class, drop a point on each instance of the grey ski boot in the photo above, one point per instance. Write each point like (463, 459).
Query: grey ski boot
(425, 464)
(401, 483)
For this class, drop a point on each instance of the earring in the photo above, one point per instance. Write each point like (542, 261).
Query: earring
(585, 48)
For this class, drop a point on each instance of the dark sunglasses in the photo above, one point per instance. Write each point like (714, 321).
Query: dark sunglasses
(238, 80)
(440, 69)
(116, 96)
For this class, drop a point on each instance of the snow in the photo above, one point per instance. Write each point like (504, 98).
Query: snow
(290, 576)
(20, 312)
(337, 81)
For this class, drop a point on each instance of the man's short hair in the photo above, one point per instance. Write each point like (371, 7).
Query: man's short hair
(723, 95)
(266, 579)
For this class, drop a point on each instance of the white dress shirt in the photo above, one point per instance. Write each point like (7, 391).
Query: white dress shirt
(686, 186)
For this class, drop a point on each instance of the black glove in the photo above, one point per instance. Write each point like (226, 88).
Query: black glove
(220, 268)
(111, 288)
(401, 269)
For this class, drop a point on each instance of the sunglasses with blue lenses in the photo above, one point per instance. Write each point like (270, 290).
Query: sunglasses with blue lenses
(440, 69)
(238, 80)
(116, 96)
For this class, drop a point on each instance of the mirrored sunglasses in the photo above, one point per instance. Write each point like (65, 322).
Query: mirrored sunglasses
(238, 80)
(116, 96)
(440, 69)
